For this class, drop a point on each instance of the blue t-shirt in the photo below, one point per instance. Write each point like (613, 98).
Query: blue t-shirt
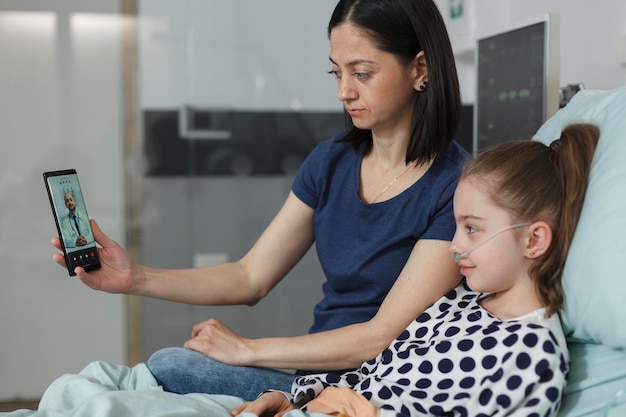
(362, 247)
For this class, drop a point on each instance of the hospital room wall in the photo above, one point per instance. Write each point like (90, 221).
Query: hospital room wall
(265, 64)
(61, 106)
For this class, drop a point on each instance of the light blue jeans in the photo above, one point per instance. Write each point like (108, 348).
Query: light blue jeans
(185, 371)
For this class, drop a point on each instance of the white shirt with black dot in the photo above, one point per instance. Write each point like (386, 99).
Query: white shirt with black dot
(457, 359)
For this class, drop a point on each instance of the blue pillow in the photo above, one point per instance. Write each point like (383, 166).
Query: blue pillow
(596, 382)
(594, 279)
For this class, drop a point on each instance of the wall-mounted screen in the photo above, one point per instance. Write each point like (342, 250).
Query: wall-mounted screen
(517, 80)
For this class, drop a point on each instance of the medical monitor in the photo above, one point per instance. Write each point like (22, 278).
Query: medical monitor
(517, 80)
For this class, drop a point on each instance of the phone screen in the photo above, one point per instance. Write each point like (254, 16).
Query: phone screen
(72, 220)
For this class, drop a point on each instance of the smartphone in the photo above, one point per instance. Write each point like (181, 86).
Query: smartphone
(71, 219)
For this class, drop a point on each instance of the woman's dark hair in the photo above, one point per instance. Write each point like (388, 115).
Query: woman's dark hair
(534, 182)
(404, 28)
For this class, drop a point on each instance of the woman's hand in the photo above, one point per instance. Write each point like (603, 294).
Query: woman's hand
(219, 342)
(118, 273)
(272, 403)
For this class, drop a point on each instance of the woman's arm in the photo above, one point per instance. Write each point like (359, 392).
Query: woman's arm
(428, 274)
(280, 247)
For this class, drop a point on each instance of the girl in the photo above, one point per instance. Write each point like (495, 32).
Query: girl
(494, 344)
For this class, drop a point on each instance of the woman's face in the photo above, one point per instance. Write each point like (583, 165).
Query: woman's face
(375, 88)
(496, 261)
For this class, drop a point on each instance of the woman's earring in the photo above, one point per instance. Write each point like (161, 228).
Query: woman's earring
(423, 86)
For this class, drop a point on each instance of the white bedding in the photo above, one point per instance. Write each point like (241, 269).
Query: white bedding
(597, 382)
(103, 389)
(597, 388)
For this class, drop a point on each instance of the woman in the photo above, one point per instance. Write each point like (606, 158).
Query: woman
(377, 201)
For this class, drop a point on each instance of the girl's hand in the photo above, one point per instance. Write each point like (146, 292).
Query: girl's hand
(272, 403)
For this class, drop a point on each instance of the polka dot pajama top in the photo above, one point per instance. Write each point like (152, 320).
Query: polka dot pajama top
(456, 359)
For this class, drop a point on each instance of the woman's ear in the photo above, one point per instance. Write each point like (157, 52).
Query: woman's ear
(539, 239)
(420, 79)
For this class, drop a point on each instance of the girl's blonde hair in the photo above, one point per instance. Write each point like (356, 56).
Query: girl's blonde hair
(534, 182)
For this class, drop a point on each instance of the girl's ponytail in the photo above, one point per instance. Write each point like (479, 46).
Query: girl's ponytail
(571, 154)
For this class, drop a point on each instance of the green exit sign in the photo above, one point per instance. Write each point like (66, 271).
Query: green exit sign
(456, 8)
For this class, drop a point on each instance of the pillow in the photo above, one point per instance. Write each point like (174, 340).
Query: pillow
(596, 382)
(594, 279)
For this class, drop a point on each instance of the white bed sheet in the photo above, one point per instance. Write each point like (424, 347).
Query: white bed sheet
(597, 382)
(596, 388)
(103, 389)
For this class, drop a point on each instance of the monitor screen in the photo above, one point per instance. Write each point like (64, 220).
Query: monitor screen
(517, 80)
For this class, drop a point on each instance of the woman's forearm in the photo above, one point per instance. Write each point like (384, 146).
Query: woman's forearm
(223, 284)
(343, 348)
(245, 281)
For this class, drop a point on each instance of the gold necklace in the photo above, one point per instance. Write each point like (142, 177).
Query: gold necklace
(392, 182)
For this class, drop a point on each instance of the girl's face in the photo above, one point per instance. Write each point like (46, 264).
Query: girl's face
(498, 265)
(375, 88)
